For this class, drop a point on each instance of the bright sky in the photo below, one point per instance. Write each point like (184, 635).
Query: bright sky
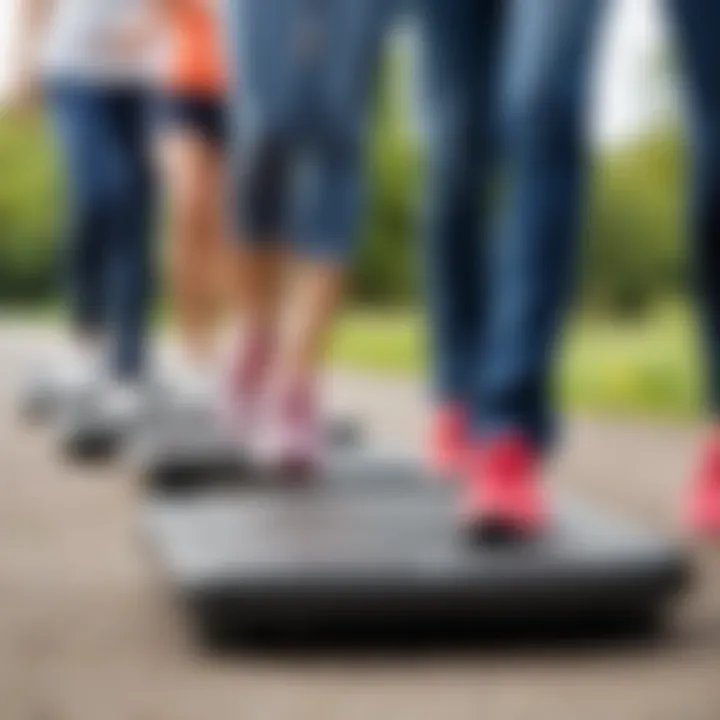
(632, 94)
(629, 97)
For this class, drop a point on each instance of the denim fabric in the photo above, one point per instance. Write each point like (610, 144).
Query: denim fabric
(102, 134)
(301, 102)
(506, 87)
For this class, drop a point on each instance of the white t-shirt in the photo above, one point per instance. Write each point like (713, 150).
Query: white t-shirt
(84, 40)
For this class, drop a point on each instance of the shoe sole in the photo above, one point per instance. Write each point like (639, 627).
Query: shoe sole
(501, 531)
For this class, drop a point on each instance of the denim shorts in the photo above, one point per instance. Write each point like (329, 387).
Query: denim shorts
(300, 108)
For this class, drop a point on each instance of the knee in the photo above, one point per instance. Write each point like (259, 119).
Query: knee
(261, 185)
(263, 163)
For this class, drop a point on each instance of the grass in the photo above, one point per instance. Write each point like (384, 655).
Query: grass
(647, 367)
(375, 341)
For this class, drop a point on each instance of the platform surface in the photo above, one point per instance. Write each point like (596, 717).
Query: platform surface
(187, 448)
(376, 531)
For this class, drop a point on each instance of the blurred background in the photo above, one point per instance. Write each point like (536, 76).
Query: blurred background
(631, 349)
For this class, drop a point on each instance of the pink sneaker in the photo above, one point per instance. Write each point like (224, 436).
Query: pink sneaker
(448, 441)
(293, 442)
(702, 511)
(504, 496)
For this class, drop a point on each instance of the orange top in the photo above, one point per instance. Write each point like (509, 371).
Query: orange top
(196, 63)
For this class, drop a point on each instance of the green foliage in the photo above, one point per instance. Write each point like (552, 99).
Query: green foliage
(387, 264)
(28, 210)
(635, 254)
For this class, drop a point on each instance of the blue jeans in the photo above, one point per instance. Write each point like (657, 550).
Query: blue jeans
(497, 354)
(461, 43)
(550, 94)
(300, 107)
(696, 25)
(510, 76)
(102, 134)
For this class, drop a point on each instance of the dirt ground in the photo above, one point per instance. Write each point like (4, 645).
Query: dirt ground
(87, 633)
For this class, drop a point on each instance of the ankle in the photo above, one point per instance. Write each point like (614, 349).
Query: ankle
(253, 357)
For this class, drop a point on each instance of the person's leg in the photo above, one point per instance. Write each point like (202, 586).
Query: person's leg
(314, 289)
(329, 197)
(76, 114)
(193, 172)
(261, 251)
(224, 291)
(697, 28)
(129, 265)
(548, 58)
(328, 200)
(83, 119)
(461, 41)
(259, 42)
(697, 25)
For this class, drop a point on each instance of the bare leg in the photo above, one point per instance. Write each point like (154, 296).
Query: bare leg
(193, 174)
(259, 277)
(316, 290)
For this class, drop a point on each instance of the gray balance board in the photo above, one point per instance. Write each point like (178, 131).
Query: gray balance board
(376, 541)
